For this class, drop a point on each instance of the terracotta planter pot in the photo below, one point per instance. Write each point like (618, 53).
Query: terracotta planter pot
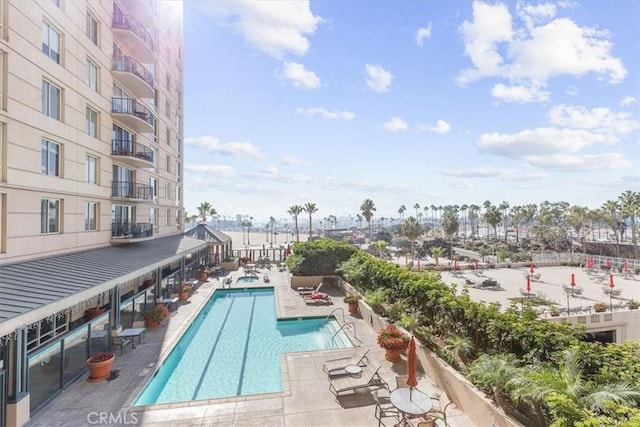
(393, 356)
(183, 296)
(151, 324)
(353, 307)
(203, 277)
(99, 371)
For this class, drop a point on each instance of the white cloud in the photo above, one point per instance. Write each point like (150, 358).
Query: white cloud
(291, 161)
(271, 170)
(218, 170)
(586, 162)
(212, 144)
(299, 76)
(627, 100)
(395, 124)
(519, 93)
(440, 127)
(423, 33)
(482, 172)
(326, 114)
(597, 119)
(275, 27)
(527, 57)
(378, 79)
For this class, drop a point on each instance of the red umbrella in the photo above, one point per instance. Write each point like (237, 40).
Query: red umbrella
(589, 262)
(476, 264)
(625, 266)
(573, 280)
(607, 263)
(412, 365)
(531, 270)
(455, 264)
(611, 285)
(528, 284)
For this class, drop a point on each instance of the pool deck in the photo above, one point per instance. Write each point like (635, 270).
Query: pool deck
(305, 400)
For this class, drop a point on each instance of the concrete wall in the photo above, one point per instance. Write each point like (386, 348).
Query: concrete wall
(307, 281)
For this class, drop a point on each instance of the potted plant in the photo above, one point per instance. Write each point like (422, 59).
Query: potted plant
(100, 366)
(183, 291)
(352, 301)
(394, 341)
(554, 311)
(154, 315)
(633, 305)
(203, 274)
(92, 313)
(599, 307)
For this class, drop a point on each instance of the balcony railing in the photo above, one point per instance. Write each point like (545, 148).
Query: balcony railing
(122, 21)
(124, 105)
(130, 65)
(131, 190)
(125, 147)
(127, 230)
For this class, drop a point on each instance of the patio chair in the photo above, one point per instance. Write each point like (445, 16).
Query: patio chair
(335, 367)
(122, 343)
(384, 407)
(368, 378)
(309, 290)
(316, 298)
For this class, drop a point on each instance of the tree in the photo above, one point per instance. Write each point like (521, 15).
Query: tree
(416, 207)
(612, 208)
(463, 209)
(473, 219)
(272, 222)
(189, 218)
(450, 224)
(295, 211)
(437, 252)
(401, 211)
(310, 208)
(411, 230)
(630, 208)
(503, 207)
(205, 209)
(493, 217)
(381, 247)
(368, 208)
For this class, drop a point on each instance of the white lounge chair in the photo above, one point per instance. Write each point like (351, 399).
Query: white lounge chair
(309, 290)
(335, 367)
(368, 378)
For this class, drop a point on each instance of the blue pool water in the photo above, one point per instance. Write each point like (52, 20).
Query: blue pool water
(233, 348)
(247, 279)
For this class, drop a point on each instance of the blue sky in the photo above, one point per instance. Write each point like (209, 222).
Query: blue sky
(404, 102)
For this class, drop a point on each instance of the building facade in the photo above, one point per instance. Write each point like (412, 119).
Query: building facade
(91, 171)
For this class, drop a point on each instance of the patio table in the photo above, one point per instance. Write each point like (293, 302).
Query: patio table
(133, 332)
(411, 402)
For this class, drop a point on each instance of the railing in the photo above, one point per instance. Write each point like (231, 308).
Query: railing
(126, 147)
(131, 190)
(126, 230)
(344, 326)
(130, 65)
(124, 105)
(333, 311)
(122, 21)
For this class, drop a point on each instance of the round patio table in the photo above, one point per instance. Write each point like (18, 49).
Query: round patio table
(411, 402)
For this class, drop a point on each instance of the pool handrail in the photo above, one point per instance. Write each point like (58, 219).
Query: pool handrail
(355, 335)
(344, 320)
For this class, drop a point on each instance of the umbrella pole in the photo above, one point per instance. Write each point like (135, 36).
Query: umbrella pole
(567, 303)
(610, 302)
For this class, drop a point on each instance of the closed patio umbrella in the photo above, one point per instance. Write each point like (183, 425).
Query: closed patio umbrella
(528, 284)
(476, 264)
(412, 366)
(625, 266)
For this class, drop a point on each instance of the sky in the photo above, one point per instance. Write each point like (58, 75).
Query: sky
(405, 102)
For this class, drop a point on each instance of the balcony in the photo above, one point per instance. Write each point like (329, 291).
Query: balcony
(143, 10)
(133, 114)
(131, 190)
(134, 76)
(124, 232)
(132, 153)
(133, 36)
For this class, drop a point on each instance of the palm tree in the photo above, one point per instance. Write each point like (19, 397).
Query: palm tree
(630, 208)
(473, 217)
(205, 209)
(426, 217)
(411, 230)
(401, 211)
(416, 207)
(368, 208)
(310, 208)
(294, 211)
(492, 217)
(612, 208)
(503, 207)
(272, 222)
(189, 218)
(463, 209)
(437, 252)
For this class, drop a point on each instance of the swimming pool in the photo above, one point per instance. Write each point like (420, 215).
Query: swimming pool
(233, 348)
(247, 279)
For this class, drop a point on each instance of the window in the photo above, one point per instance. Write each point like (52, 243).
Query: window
(50, 100)
(153, 183)
(92, 75)
(153, 218)
(92, 122)
(90, 216)
(51, 43)
(168, 163)
(168, 216)
(168, 136)
(50, 158)
(2, 79)
(178, 195)
(177, 171)
(49, 216)
(167, 109)
(91, 170)
(92, 29)
(167, 190)
(168, 83)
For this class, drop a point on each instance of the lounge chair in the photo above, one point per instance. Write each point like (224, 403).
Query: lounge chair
(317, 298)
(335, 367)
(309, 290)
(368, 378)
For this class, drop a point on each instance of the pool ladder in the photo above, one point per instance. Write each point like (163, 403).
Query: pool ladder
(345, 325)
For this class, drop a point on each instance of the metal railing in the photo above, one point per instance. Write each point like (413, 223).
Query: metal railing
(126, 147)
(131, 190)
(124, 105)
(345, 325)
(127, 230)
(122, 21)
(130, 65)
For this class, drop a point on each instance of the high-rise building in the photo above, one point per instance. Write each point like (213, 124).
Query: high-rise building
(91, 181)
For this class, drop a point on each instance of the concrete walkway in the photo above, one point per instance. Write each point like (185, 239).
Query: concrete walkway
(304, 401)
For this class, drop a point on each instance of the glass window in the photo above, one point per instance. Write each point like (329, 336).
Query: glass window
(92, 75)
(90, 216)
(168, 163)
(51, 42)
(91, 170)
(168, 136)
(49, 216)
(50, 158)
(50, 100)
(153, 183)
(92, 29)
(92, 122)
(167, 109)
(168, 216)
(153, 218)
